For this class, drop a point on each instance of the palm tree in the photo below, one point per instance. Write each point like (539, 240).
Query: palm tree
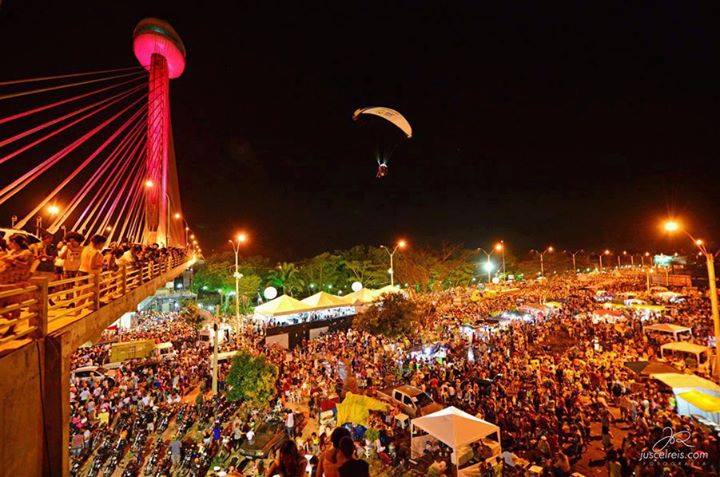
(283, 277)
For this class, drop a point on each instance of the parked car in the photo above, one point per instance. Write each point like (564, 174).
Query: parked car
(413, 401)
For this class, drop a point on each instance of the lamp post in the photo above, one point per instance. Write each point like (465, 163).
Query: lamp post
(401, 244)
(240, 239)
(672, 226)
(573, 254)
(488, 264)
(606, 252)
(52, 210)
(642, 258)
(550, 249)
(215, 356)
(500, 247)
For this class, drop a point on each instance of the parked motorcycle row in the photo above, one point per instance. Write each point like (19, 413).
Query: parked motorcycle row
(141, 435)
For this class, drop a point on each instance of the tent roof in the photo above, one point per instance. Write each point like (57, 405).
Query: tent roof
(703, 401)
(677, 380)
(649, 367)
(647, 306)
(454, 427)
(684, 346)
(668, 294)
(611, 312)
(282, 305)
(668, 328)
(364, 295)
(322, 300)
(386, 289)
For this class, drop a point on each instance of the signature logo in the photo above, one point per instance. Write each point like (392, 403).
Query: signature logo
(671, 437)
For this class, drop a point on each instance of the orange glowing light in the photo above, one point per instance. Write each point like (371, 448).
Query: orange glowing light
(149, 183)
(401, 244)
(671, 226)
(499, 247)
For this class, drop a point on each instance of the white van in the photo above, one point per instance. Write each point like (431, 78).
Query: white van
(226, 356)
(165, 350)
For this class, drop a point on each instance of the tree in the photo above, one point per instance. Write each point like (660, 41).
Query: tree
(191, 315)
(450, 265)
(393, 317)
(215, 275)
(366, 265)
(251, 379)
(321, 272)
(284, 277)
(249, 286)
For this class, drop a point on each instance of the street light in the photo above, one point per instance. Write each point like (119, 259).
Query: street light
(500, 247)
(487, 266)
(642, 258)
(672, 226)
(52, 210)
(600, 256)
(550, 249)
(401, 244)
(239, 240)
(573, 258)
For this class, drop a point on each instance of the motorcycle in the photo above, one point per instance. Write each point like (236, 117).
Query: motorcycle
(131, 470)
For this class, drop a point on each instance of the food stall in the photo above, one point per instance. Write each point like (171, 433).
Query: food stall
(463, 433)
(676, 331)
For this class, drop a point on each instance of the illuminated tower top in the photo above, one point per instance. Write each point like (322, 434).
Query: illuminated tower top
(154, 36)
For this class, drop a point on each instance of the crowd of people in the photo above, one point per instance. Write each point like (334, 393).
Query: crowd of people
(73, 255)
(554, 382)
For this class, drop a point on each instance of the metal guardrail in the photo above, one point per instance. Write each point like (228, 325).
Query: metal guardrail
(29, 310)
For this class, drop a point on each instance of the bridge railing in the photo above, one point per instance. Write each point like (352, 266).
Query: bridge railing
(31, 310)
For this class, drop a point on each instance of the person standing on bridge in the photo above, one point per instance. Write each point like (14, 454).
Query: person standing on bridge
(91, 259)
(70, 254)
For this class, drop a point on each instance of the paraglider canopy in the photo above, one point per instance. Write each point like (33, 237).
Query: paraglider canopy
(389, 114)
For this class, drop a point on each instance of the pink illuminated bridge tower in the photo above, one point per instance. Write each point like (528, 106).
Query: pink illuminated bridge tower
(159, 50)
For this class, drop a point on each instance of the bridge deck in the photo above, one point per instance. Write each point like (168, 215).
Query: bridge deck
(42, 307)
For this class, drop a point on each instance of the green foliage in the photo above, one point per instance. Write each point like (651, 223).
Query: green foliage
(251, 379)
(367, 265)
(191, 315)
(215, 275)
(393, 317)
(284, 278)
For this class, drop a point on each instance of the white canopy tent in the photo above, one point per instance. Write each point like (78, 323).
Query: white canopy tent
(682, 383)
(668, 328)
(456, 429)
(684, 349)
(282, 305)
(387, 289)
(364, 295)
(322, 300)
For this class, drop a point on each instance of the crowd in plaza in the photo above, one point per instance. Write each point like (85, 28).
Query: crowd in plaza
(553, 382)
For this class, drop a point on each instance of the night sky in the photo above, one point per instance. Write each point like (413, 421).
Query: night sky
(575, 126)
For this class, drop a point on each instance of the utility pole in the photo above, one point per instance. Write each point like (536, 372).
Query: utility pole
(215, 357)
